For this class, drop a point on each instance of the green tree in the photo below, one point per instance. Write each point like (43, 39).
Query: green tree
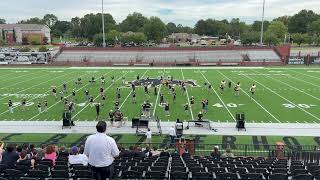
(60, 28)
(34, 20)
(155, 29)
(76, 27)
(314, 28)
(98, 39)
(300, 22)
(91, 24)
(284, 19)
(201, 27)
(25, 49)
(171, 28)
(256, 26)
(271, 39)
(278, 29)
(298, 38)
(50, 20)
(2, 21)
(43, 49)
(134, 22)
(113, 37)
(134, 37)
(249, 38)
(237, 27)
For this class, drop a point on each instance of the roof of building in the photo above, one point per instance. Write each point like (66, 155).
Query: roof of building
(23, 26)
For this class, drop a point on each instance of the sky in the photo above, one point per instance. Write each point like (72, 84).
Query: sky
(185, 12)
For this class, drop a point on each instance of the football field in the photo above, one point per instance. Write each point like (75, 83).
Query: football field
(283, 95)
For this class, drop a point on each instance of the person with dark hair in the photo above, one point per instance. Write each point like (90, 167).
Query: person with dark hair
(165, 153)
(216, 153)
(19, 149)
(63, 152)
(23, 160)
(139, 153)
(10, 156)
(101, 151)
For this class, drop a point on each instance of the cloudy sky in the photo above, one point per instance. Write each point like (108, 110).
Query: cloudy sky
(185, 12)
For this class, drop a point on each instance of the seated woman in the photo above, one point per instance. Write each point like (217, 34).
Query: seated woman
(51, 153)
(23, 160)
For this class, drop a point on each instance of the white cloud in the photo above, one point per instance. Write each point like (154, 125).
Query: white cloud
(186, 12)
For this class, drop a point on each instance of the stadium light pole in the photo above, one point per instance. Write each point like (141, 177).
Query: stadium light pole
(103, 33)
(262, 22)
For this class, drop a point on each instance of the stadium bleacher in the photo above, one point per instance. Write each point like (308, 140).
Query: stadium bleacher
(225, 56)
(171, 166)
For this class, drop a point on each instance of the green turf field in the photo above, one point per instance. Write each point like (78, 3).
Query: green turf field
(283, 95)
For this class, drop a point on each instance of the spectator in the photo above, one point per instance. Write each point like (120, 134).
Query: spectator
(165, 153)
(81, 151)
(23, 159)
(31, 148)
(149, 136)
(51, 153)
(63, 152)
(216, 153)
(139, 153)
(1, 150)
(155, 152)
(41, 151)
(76, 158)
(227, 154)
(10, 156)
(19, 149)
(124, 152)
(172, 134)
(101, 151)
(147, 152)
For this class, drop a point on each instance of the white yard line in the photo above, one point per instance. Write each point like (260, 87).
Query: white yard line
(226, 107)
(39, 84)
(156, 103)
(303, 81)
(131, 91)
(16, 77)
(190, 108)
(25, 80)
(283, 98)
(252, 99)
(98, 96)
(291, 86)
(305, 74)
(33, 98)
(66, 97)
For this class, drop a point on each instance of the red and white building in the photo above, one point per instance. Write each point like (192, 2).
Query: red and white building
(14, 33)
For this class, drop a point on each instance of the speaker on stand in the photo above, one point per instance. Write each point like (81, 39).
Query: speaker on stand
(240, 118)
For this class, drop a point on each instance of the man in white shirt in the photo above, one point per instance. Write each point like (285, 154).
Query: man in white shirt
(101, 151)
(76, 158)
(149, 136)
(172, 134)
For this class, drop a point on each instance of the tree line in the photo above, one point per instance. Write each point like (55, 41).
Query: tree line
(301, 28)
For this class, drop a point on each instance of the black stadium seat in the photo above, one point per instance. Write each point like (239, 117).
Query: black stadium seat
(202, 175)
(227, 176)
(60, 173)
(13, 174)
(278, 176)
(302, 177)
(179, 175)
(252, 176)
(155, 175)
